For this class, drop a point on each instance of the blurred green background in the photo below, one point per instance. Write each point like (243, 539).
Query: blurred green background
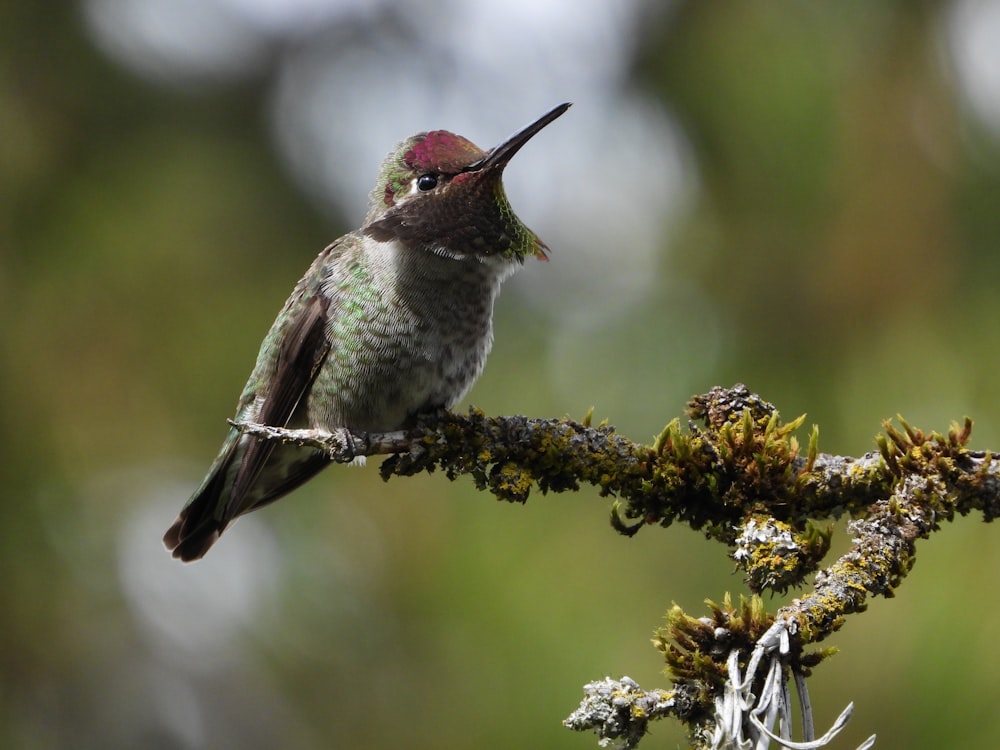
(799, 196)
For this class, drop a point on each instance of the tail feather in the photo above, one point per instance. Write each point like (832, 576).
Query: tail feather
(197, 527)
(225, 495)
(189, 544)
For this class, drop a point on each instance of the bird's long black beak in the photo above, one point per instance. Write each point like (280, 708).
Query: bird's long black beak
(499, 155)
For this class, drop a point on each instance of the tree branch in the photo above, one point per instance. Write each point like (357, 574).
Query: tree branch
(737, 473)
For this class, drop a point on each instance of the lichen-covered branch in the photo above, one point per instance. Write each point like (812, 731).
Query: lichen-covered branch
(738, 473)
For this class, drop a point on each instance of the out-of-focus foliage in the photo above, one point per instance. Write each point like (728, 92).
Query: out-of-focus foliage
(812, 211)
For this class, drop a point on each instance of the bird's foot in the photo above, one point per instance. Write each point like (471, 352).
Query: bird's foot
(345, 447)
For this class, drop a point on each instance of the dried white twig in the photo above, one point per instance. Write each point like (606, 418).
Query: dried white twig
(744, 721)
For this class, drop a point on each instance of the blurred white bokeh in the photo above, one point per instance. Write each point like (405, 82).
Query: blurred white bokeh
(198, 614)
(972, 38)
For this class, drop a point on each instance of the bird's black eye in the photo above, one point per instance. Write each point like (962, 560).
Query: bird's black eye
(427, 182)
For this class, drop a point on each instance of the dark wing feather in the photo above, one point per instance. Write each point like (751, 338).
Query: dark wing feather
(301, 353)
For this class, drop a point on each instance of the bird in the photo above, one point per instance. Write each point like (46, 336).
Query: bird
(391, 321)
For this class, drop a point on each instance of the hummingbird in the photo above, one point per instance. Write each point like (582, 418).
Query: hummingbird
(391, 321)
